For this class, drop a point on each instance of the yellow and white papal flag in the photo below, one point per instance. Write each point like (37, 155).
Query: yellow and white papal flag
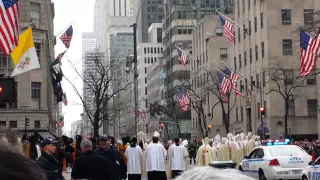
(24, 56)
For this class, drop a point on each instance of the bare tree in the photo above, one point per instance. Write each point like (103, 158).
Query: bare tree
(226, 106)
(288, 84)
(103, 86)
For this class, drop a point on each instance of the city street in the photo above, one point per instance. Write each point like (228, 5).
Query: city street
(67, 176)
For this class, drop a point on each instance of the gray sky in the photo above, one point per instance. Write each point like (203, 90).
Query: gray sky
(80, 12)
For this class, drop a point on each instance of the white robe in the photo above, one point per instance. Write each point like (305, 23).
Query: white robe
(155, 157)
(177, 156)
(135, 157)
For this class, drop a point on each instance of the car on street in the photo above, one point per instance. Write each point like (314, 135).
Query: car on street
(312, 171)
(275, 161)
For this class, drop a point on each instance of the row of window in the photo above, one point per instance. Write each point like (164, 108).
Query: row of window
(150, 60)
(153, 50)
(14, 124)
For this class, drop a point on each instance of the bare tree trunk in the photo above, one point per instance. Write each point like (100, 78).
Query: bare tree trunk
(286, 118)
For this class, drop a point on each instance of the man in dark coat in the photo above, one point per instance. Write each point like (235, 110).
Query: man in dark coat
(91, 166)
(49, 164)
(113, 156)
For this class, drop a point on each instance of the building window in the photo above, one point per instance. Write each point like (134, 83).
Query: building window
(159, 35)
(145, 50)
(252, 82)
(237, 118)
(219, 32)
(257, 52)
(145, 69)
(145, 80)
(3, 123)
(262, 49)
(145, 91)
(255, 24)
(257, 80)
(239, 37)
(308, 16)
(151, 50)
(13, 124)
(249, 1)
(5, 61)
(148, 60)
(264, 79)
(288, 74)
(37, 125)
(246, 84)
(38, 49)
(312, 107)
(223, 53)
(261, 20)
(245, 58)
(249, 28)
(287, 47)
(286, 16)
(240, 63)
(311, 80)
(241, 113)
(235, 63)
(258, 105)
(292, 108)
(36, 94)
(35, 14)
(244, 31)
(250, 58)
(145, 60)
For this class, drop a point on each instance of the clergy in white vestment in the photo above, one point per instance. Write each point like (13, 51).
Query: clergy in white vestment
(134, 156)
(177, 156)
(155, 159)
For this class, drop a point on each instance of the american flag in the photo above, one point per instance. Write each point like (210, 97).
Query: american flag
(67, 36)
(184, 101)
(182, 56)
(227, 26)
(309, 49)
(9, 25)
(233, 80)
(58, 59)
(64, 99)
(224, 83)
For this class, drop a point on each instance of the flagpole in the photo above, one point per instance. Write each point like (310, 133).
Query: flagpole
(230, 20)
(308, 32)
(26, 25)
(61, 32)
(185, 52)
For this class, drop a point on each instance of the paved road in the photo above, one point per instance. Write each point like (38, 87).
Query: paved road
(67, 175)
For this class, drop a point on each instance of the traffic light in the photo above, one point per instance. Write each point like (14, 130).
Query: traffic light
(162, 125)
(209, 126)
(27, 122)
(262, 111)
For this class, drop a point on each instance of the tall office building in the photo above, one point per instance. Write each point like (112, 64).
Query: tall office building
(151, 11)
(99, 22)
(33, 92)
(271, 42)
(180, 18)
(119, 7)
(89, 45)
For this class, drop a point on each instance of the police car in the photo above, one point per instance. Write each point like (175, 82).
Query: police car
(312, 172)
(276, 160)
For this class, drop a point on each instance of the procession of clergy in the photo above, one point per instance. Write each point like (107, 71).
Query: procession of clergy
(157, 163)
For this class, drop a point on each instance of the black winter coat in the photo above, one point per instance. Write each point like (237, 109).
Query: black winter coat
(50, 166)
(115, 159)
(91, 166)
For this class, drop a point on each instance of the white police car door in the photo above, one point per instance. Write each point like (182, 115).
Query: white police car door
(315, 170)
(247, 164)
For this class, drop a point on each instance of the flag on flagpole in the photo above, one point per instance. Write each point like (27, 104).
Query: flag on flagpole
(58, 58)
(182, 56)
(309, 49)
(66, 37)
(227, 29)
(9, 25)
(64, 99)
(224, 83)
(233, 80)
(184, 101)
(25, 56)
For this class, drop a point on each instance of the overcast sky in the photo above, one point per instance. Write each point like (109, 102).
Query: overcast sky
(80, 14)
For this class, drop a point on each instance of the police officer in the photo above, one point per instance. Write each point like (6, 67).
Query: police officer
(48, 162)
(113, 156)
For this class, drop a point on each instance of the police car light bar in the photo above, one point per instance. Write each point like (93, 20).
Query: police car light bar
(275, 142)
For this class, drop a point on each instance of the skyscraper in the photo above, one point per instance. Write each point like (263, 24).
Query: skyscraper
(99, 22)
(119, 7)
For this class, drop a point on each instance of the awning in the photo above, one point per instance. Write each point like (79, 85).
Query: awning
(46, 135)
